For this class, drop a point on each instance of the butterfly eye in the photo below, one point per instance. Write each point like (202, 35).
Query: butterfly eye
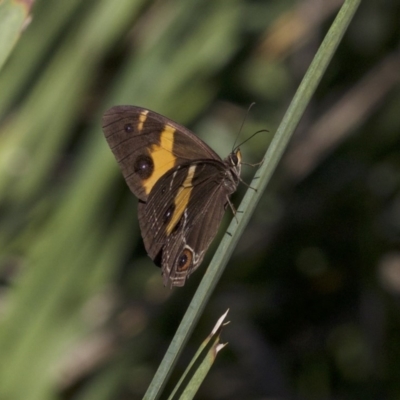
(168, 214)
(128, 128)
(144, 166)
(234, 159)
(184, 260)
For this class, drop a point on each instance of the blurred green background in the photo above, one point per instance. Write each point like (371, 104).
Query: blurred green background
(313, 288)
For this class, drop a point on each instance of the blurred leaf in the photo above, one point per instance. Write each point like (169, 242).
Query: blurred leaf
(14, 16)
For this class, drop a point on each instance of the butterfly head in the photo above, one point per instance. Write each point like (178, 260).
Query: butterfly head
(234, 160)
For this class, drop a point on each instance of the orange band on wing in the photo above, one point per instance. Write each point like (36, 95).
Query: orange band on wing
(142, 119)
(162, 157)
(182, 199)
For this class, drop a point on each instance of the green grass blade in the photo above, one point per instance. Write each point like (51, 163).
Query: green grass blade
(200, 364)
(237, 226)
(13, 17)
(49, 21)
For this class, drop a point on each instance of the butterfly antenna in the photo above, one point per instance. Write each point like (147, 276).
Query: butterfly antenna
(241, 126)
(254, 134)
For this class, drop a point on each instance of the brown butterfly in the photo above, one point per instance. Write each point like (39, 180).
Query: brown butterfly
(182, 185)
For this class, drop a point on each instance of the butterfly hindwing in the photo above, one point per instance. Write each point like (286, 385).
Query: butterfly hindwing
(178, 230)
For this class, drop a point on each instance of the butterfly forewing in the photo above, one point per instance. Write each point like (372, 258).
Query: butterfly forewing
(147, 145)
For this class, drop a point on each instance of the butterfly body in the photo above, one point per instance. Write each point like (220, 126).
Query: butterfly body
(182, 185)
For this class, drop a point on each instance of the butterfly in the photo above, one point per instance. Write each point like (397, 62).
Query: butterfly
(183, 186)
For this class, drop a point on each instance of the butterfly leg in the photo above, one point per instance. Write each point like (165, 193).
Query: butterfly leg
(231, 205)
(245, 183)
(254, 165)
(234, 211)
